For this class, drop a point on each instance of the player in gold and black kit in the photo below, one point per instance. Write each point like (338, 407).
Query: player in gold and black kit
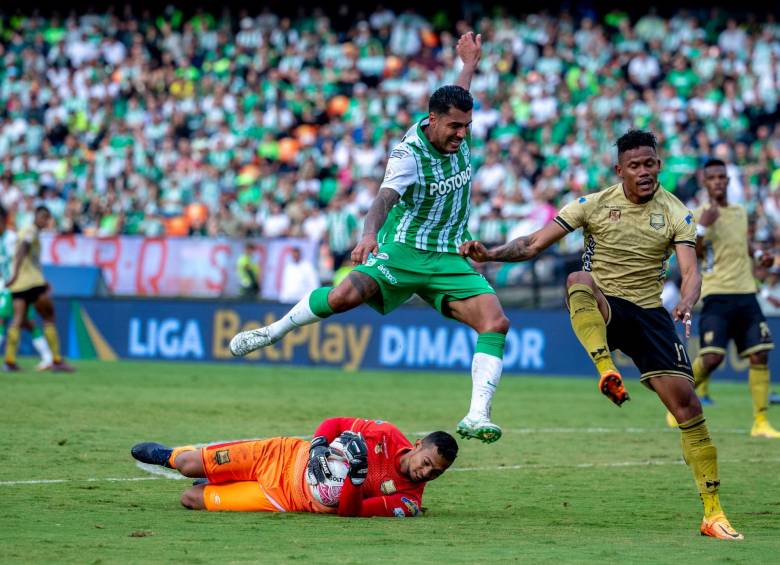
(631, 229)
(730, 309)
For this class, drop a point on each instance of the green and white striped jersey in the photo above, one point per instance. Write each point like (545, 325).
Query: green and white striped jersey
(435, 190)
(7, 250)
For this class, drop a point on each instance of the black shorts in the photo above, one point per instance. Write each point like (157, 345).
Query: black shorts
(31, 294)
(648, 337)
(737, 317)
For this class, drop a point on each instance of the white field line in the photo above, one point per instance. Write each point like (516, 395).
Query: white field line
(602, 431)
(161, 473)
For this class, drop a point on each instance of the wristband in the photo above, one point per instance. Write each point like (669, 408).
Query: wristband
(701, 230)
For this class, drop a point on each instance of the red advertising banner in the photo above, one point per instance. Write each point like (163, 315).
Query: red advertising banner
(174, 266)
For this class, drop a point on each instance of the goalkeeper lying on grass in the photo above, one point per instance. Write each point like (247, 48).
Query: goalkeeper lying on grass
(387, 474)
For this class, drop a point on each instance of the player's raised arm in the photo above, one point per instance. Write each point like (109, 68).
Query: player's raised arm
(519, 249)
(690, 287)
(469, 50)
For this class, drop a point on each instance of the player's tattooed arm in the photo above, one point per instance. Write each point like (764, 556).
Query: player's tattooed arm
(519, 249)
(375, 218)
(379, 210)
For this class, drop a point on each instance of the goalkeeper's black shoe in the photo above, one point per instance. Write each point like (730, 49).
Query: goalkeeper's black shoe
(152, 453)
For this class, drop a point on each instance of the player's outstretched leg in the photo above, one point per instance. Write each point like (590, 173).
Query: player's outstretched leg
(312, 308)
(758, 380)
(356, 289)
(590, 327)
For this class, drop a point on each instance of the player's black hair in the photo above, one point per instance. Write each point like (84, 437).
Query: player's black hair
(713, 163)
(445, 444)
(448, 96)
(635, 138)
(42, 208)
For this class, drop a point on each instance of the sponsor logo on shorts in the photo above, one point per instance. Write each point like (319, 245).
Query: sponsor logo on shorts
(222, 456)
(383, 256)
(657, 221)
(763, 327)
(388, 275)
(388, 487)
(709, 336)
(411, 506)
(399, 513)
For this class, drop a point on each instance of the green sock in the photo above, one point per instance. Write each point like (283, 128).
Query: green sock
(318, 302)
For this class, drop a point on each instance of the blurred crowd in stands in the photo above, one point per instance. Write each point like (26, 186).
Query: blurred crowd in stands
(252, 124)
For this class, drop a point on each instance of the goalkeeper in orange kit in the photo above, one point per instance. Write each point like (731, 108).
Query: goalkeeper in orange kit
(387, 473)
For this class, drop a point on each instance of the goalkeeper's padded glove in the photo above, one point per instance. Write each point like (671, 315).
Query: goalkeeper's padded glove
(317, 469)
(356, 454)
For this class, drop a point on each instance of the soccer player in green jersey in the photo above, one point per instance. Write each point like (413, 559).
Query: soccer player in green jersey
(631, 229)
(410, 245)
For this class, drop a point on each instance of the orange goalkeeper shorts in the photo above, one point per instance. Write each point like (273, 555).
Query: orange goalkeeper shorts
(259, 476)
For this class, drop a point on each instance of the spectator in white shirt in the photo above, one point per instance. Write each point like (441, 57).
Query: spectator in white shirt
(299, 278)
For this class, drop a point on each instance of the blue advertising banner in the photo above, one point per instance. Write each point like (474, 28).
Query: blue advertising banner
(540, 342)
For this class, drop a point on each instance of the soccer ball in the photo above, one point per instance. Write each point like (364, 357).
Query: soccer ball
(329, 491)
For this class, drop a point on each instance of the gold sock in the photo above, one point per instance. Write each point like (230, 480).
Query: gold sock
(178, 451)
(701, 378)
(702, 457)
(12, 344)
(589, 326)
(758, 379)
(50, 332)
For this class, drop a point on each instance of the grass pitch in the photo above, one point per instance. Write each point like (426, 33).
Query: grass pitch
(574, 478)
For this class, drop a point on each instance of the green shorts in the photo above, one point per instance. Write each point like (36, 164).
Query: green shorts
(6, 304)
(401, 271)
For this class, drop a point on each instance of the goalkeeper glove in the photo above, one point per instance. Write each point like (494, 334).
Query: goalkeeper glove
(353, 448)
(317, 469)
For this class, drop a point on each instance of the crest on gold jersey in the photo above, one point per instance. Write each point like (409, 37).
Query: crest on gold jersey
(657, 221)
(614, 215)
(388, 487)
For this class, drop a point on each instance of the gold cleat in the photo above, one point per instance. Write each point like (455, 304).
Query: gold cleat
(764, 429)
(718, 527)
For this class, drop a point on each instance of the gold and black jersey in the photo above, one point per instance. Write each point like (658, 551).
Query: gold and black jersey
(30, 273)
(726, 266)
(627, 245)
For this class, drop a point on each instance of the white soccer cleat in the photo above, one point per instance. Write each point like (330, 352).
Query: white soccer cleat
(482, 429)
(251, 340)
(44, 365)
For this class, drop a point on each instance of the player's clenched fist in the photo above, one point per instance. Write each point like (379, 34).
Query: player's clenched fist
(476, 250)
(317, 470)
(367, 245)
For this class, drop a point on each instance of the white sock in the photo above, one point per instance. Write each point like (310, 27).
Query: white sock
(485, 376)
(42, 347)
(300, 315)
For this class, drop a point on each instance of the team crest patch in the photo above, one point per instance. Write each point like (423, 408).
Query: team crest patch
(709, 336)
(222, 457)
(388, 487)
(657, 221)
(371, 261)
(379, 447)
(411, 506)
(614, 215)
